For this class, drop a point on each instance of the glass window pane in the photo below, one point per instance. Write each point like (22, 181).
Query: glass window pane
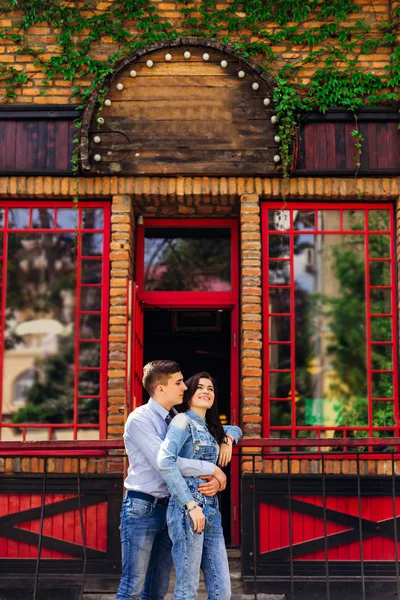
(353, 220)
(383, 415)
(382, 356)
(329, 220)
(379, 273)
(1, 218)
(279, 272)
(188, 259)
(90, 327)
(1, 242)
(92, 218)
(18, 218)
(378, 220)
(280, 385)
(379, 245)
(331, 368)
(91, 271)
(280, 413)
(279, 329)
(381, 301)
(89, 383)
(382, 385)
(92, 244)
(67, 218)
(88, 411)
(319, 411)
(38, 381)
(381, 329)
(91, 298)
(279, 300)
(279, 246)
(280, 356)
(304, 220)
(89, 354)
(278, 220)
(43, 218)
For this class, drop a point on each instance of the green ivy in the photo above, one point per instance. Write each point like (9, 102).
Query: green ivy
(328, 45)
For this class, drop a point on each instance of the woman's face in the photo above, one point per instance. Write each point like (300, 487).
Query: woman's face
(204, 395)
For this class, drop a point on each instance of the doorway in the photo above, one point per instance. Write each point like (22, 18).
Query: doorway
(198, 340)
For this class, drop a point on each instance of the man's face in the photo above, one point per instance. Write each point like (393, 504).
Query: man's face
(174, 389)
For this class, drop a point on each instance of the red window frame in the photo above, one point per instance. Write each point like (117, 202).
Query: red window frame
(177, 299)
(103, 312)
(293, 430)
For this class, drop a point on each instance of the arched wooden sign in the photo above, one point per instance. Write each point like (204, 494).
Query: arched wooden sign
(185, 106)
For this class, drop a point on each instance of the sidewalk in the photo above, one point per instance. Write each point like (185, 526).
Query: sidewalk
(236, 583)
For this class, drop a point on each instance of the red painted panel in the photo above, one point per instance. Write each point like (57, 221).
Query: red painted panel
(274, 528)
(65, 526)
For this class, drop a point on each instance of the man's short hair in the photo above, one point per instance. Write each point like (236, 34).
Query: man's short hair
(157, 372)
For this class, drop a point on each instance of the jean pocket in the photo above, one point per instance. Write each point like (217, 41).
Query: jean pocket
(140, 508)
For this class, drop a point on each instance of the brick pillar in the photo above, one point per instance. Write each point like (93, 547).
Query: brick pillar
(121, 264)
(251, 325)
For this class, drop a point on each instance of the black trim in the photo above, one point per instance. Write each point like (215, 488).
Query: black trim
(48, 111)
(380, 113)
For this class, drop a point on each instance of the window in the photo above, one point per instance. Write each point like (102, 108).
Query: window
(329, 318)
(188, 261)
(54, 295)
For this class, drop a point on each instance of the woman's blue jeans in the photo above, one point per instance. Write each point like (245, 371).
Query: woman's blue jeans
(146, 551)
(192, 551)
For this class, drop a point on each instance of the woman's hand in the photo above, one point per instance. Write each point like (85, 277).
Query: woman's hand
(197, 516)
(225, 453)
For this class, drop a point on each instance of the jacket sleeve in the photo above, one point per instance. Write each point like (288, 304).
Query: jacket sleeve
(177, 434)
(234, 431)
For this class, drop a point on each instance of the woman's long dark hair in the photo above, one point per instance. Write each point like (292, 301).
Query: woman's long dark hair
(212, 415)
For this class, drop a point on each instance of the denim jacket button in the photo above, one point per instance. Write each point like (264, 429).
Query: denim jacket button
(197, 447)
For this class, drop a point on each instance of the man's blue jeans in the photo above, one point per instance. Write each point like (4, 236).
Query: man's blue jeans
(192, 551)
(146, 551)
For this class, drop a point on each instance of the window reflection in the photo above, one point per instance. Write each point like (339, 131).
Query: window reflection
(18, 218)
(331, 370)
(67, 218)
(92, 218)
(43, 218)
(91, 271)
(333, 272)
(92, 244)
(39, 327)
(187, 259)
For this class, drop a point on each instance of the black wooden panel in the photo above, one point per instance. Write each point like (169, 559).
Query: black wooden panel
(37, 141)
(327, 146)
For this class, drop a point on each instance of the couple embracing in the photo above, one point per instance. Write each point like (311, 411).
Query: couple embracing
(170, 510)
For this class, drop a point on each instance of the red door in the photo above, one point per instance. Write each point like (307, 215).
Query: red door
(136, 391)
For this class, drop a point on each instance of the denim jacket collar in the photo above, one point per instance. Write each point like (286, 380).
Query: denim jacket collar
(196, 417)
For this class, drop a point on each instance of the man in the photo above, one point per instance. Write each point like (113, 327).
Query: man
(146, 547)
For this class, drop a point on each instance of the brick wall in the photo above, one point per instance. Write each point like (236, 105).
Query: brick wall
(60, 91)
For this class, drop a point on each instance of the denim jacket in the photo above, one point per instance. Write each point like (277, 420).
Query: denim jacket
(188, 437)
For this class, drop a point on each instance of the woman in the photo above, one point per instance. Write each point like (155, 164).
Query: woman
(194, 521)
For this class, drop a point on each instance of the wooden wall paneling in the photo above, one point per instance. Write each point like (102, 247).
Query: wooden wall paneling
(340, 144)
(185, 117)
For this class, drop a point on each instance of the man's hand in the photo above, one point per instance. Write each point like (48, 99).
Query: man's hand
(211, 487)
(221, 477)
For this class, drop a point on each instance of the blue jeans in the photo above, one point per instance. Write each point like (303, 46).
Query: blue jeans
(146, 551)
(192, 551)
